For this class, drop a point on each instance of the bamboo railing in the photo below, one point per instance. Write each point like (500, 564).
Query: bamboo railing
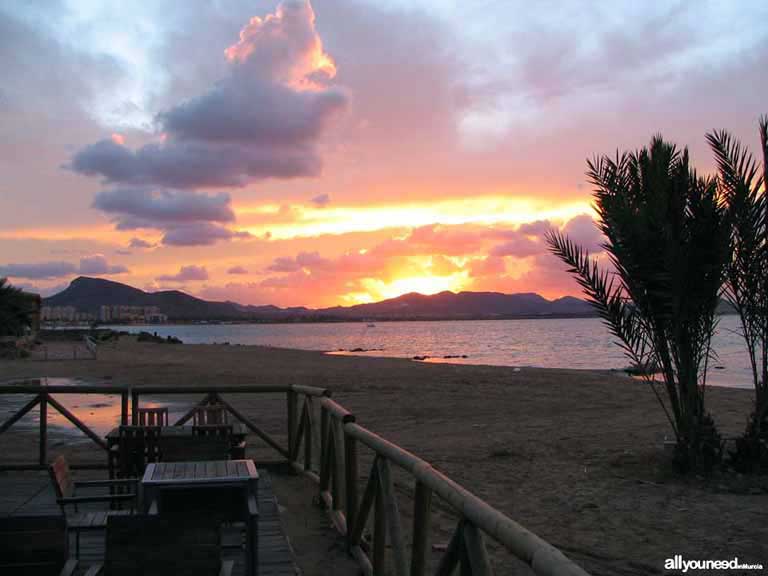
(325, 450)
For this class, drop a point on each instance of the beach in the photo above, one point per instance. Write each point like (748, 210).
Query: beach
(575, 456)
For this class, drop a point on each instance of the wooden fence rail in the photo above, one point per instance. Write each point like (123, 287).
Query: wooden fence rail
(337, 474)
(323, 440)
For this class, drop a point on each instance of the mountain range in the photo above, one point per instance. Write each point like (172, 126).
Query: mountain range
(89, 294)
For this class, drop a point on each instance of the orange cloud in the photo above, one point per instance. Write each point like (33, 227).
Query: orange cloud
(287, 45)
(428, 259)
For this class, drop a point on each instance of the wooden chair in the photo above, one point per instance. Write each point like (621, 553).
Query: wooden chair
(159, 546)
(222, 430)
(221, 505)
(66, 496)
(194, 448)
(210, 414)
(34, 546)
(153, 416)
(137, 446)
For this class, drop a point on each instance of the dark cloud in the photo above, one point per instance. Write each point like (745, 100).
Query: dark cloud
(157, 207)
(139, 243)
(262, 120)
(186, 274)
(39, 270)
(321, 201)
(237, 270)
(200, 234)
(186, 218)
(97, 265)
(193, 164)
(247, 110)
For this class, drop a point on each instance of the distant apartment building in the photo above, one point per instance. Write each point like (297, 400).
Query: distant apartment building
(120, 313)
(58, 313)
(105, 315)
(65, 314)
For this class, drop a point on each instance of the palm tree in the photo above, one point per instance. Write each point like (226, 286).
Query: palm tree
(15, 310)
(667, 240)
(744, 188)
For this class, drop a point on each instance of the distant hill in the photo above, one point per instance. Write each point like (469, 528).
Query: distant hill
(88, 294)
(465, 305)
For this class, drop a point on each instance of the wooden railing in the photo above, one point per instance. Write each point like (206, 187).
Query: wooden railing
(322, 443)
(336, 470)
(42, 397)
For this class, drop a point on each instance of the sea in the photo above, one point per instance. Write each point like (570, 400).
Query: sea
(548, 343)
(583, 343)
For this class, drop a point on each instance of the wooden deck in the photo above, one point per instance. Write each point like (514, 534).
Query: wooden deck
(30, 493)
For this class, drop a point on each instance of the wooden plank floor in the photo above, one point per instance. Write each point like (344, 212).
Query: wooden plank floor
(31, 493)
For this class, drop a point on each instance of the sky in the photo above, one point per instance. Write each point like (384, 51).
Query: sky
(343, 151)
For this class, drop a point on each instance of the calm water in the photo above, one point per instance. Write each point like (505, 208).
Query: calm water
(549, 343)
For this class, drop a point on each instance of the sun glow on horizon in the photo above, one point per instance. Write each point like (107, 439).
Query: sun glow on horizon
(376, 289)
(307, 221)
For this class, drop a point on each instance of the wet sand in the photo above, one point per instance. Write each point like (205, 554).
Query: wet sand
(575, 456)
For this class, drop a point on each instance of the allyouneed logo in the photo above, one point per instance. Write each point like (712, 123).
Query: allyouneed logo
(678, 563)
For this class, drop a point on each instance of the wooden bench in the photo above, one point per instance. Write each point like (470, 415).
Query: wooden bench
(66, 496)
(34, 546)
(159, 546)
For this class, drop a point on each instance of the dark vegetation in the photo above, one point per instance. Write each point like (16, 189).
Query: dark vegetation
(676, 242)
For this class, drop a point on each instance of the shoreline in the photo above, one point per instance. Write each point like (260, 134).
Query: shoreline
(576, 456)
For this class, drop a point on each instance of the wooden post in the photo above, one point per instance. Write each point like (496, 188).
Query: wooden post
(351, 475)
(477, 555)
(134, 407)
(422, 511)
(307, 435)
(379, 533)
(124, 407)
(291, 407)
(338, 462)
(387, 489)
(43, 429)
(452, 553)
(323, 438)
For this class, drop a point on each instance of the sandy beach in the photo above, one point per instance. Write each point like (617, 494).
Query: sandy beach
(575, 456)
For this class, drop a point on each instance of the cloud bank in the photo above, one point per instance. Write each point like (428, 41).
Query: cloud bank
(95, 265)
(261, 120)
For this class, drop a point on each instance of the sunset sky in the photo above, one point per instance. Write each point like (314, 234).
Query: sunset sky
(342, 151)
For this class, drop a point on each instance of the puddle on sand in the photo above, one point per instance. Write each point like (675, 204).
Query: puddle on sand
(100, 412)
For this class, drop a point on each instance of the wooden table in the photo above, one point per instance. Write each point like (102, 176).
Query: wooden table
(188, 482)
